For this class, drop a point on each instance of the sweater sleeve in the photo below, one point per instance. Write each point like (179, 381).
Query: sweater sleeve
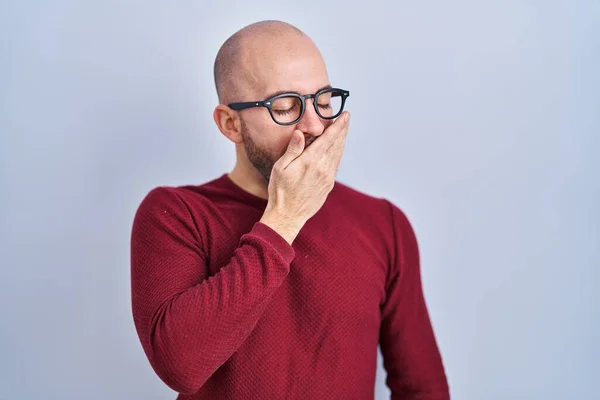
(188, 323)
(410, 353)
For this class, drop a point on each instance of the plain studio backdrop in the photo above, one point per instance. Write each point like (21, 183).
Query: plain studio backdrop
(479, 119)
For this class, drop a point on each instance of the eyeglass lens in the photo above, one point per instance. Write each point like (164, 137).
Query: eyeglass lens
(287, 109)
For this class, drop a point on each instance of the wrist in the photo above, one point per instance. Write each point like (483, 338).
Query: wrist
(287, 227)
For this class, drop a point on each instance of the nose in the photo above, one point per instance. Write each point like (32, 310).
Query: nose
(311, 123)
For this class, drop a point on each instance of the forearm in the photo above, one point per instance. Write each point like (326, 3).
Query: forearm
(417, 373)
(411, 354)
(440, 393)
(189, 335)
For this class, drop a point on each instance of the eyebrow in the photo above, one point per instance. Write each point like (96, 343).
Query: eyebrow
(291, 91)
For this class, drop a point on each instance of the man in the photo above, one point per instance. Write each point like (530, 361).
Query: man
(275, 281)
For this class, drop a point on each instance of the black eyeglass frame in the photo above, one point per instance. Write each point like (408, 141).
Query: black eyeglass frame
(268, 103)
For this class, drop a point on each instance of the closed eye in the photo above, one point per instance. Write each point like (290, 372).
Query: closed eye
(283, 112)
(286, 111)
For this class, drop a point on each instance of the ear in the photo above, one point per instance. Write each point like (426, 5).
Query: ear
(228, 122)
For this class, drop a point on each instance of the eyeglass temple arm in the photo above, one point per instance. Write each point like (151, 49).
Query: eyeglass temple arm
(340, 93)
(247, 104)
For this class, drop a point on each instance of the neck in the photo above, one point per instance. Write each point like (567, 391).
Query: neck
(249, 179)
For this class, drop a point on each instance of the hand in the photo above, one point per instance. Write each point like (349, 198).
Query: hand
(302, 178)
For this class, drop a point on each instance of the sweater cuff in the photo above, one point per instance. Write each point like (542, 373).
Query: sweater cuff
(279, 244)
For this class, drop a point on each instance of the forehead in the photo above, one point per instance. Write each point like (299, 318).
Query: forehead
(298, 69)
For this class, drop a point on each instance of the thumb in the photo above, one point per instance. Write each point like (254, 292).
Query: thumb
(294, 148)
(296, 144)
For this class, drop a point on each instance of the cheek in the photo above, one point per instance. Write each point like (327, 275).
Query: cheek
(270, 137)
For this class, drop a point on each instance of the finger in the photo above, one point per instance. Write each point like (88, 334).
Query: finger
(333, 154)
(334, 157)
(344, 130)
(328, 138)
(294, 149)
(337, 147)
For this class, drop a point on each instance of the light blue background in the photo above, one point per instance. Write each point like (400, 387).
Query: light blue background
(479, 119)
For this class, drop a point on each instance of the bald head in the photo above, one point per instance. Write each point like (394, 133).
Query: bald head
(245, 59)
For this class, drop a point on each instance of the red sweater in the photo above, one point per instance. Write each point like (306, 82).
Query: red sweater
(225, 308)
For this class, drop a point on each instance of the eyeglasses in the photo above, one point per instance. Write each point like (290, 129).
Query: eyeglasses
(288, 108)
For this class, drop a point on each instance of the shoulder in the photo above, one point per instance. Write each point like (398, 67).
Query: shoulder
(355, 197)
(173, 198)
(172, 206)
(377, 208)
(379, 214)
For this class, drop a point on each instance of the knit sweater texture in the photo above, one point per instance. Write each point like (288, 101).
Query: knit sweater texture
(225, 308)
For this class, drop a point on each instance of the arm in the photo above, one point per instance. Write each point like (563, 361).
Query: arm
(189, 324)
(410, 353)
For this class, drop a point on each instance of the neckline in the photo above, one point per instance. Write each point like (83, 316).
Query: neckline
(247, 196)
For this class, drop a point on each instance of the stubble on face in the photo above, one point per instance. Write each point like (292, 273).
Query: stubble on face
(260, 158)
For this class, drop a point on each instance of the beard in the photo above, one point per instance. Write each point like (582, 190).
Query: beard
(260, 158)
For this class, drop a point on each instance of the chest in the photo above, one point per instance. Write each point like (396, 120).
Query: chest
(337, 277)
